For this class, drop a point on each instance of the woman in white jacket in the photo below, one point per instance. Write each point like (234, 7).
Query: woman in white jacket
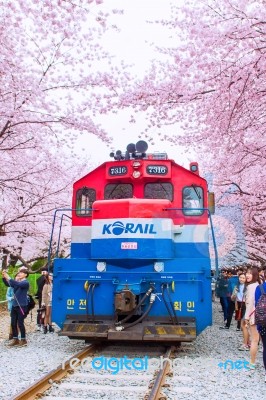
(47, 303)
(252, 281)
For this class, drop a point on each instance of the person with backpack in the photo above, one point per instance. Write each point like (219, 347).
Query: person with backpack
(260, 316)
(20, 305)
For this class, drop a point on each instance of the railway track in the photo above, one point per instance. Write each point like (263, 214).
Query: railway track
(102, 372)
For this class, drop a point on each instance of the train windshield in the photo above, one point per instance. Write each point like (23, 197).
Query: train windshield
(118, 191)
(84, 200)
(158, 191)
(192, 200)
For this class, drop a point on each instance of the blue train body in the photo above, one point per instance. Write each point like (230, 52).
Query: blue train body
(139, 268)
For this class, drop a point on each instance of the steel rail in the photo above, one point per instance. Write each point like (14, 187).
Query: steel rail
(45, 383)
(156, 391)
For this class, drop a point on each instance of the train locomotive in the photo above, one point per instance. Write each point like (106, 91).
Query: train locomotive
(139, 268)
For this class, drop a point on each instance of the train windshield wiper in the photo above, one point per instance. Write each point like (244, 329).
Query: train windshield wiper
(196, 191)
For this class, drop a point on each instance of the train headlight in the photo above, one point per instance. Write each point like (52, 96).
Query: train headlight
(159, 266)
(136, 164)
(101, 266)
(136, 174)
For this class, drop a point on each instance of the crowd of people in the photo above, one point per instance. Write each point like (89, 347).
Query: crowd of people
(239, 290)
(17, 296)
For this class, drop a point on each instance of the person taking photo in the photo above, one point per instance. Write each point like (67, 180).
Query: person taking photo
(19, 306)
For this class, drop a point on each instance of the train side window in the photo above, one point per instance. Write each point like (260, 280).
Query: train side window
(158, 190)
(118, 191)
(84, 200)
(192, 198)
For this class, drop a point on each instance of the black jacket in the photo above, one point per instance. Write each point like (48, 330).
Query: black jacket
(40, 284)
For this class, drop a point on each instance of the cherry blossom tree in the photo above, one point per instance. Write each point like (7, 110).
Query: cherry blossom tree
(55, 76)
(225, 71)
(211, 82)
(46, 59)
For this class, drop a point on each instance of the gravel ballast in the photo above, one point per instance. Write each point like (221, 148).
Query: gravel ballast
(199, 369)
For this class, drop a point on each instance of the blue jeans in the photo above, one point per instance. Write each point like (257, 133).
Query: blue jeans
(17, 320)
(230, 311)
(263, 339)
(224, 304)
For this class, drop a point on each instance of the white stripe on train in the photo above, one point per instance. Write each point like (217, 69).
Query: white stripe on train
(185, 234)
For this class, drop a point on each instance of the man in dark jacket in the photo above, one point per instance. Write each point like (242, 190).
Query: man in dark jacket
(19, 306)
(221, 292)
(40, 284)
(232, 282)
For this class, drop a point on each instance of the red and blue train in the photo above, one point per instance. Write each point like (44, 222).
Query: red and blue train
(139, 268)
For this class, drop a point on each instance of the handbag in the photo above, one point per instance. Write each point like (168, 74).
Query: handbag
(238, 314)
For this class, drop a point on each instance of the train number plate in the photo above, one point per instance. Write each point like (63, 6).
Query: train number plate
(157, 170)
(129, 245)
(118, 170)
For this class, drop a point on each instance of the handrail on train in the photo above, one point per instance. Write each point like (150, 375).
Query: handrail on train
(59, 234)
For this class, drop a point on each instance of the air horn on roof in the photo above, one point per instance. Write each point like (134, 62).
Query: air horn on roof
(136, 151)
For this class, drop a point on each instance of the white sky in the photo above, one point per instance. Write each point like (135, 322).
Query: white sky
(133, 44)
